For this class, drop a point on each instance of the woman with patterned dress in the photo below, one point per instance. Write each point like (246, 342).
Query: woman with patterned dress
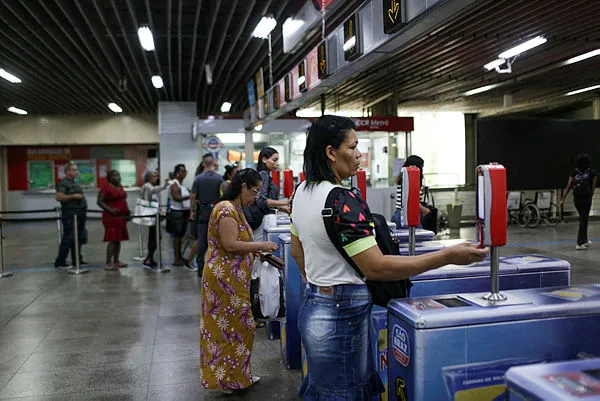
(226, 320)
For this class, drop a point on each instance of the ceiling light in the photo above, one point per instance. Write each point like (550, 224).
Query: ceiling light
(208, 72)
(493, 64)
(157, 81)
(115, 107)
(9, 77)
(146, 38)
(582, 57)
(301, 80)
(17, 111)
(291, 26)
(225, 107)
(264, 27)
(479, 90)
(591, 88)
(350, 43)
(523, 47)
(259, 127)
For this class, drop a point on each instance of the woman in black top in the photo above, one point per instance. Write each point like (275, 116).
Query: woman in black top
(583, 181)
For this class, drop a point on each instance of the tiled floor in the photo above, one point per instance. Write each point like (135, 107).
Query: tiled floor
(133, 335)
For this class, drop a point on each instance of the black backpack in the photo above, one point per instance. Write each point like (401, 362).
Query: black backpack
(381, 291)
(582, 183)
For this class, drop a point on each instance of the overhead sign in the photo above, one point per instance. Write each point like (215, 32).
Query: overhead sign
(294, 86)
(282, 93)
(251, 93)
(385, 124)
(213, 144)
(260, 83)
(287, 88)
(352, 45)
(322, 58)
(312, 65)
(48, 153)
(393, 18)
(302, 85)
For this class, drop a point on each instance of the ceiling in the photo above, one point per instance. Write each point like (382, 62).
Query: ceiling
(74, 56)
(436, 69)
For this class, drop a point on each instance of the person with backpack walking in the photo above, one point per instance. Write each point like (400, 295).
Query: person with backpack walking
(582, 180)
(333, 318)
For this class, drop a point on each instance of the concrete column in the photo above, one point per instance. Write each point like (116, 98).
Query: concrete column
(3, 178)
(596, 108)
(470, 149)
(249, 149)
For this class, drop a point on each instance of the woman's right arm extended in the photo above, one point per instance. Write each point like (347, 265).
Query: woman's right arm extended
(228, 234)
(569, 185)
(376, 266)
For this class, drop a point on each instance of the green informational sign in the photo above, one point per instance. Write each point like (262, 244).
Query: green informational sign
(127, 170)
(41, 174)
(87, 173)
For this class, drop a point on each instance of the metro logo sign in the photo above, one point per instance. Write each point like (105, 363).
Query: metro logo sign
(385, 124)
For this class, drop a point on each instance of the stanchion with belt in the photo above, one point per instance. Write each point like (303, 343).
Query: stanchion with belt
(58, 224)
(77, 270)
(159, 268)
(140, 258)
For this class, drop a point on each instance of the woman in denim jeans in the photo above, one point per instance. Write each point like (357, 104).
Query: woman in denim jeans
(334, 314)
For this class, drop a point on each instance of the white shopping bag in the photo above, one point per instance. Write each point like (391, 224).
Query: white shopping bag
(269, 290)
(147, 209)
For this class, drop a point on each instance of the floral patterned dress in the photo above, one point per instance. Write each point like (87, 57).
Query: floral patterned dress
(226, 320)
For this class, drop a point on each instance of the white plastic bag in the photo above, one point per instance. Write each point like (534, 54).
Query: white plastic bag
(269, 290)
(147, 209)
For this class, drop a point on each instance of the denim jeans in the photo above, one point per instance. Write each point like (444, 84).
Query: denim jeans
(335, 334)
(583, 204)
(68, 239)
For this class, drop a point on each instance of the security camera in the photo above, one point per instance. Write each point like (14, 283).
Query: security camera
(505, 67)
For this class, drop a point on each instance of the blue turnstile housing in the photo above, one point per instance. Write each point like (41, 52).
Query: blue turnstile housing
(293, 292)
(560, 381)
(401, 235)
(458, 347)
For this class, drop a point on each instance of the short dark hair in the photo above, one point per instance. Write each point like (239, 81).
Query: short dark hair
(412, 160)
(177, 168)
(247, 176)
(264, 152)
(583, 161)
(325, 131)
(228, 170)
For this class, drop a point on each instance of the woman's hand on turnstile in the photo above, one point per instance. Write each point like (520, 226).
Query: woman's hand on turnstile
(465, 253)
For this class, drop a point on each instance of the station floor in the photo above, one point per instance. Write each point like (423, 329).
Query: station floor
(133, 335)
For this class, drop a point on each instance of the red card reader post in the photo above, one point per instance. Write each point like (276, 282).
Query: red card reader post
(492, 219)
(411, 203)
(288, 183)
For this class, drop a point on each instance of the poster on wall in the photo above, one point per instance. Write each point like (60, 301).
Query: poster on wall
(87, 173)
(127, 170)
(40, 174)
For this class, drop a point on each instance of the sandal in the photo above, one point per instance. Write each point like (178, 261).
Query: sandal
(121, 264)
(110, 267)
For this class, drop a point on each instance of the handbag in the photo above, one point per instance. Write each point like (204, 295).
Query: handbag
(254, 216)
(267, 293)
(430, 220)
(147, 209)
(381, 291)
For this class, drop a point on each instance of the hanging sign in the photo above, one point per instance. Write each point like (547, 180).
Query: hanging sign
(322, 60)
(260, 83)
(393, 18)
(282, 93)
(295, 87)
(251, 93)
(302, 85)
(213, 144)
(287, 88)
(352, 45)
(385, 124)
(312, 64)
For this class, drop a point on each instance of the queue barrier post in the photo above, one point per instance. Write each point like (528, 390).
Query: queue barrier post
(58, 224)
(3, 274)
(141, 258)
(159, 267)
(77, 270)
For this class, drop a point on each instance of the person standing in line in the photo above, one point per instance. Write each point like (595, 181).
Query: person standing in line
(72, 202)
(206, 191)
(582, 180)
(180, 210)
(333, 318)
(226, 323)
(412, 160)
(230, 171)
(150, 192)
(112, 198)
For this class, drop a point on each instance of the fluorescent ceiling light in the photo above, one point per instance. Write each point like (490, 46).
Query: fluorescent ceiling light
(17, 111)
(115, 108)
(591, 88)
(493, 64)
(264, 27)
(9, 77)
(225, 107)
(479, 90)
(350, 43)
(259, 127)
(291, 26)
(157, 81)
(208, 72)
(582, 57)
(523, 47)
(301, 80)
(146, 38)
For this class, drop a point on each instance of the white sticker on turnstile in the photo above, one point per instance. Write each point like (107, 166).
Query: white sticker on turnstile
(525, 259)
(401, 345)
